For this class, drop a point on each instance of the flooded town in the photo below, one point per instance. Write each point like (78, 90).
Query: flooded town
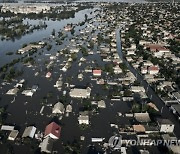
(90, 78)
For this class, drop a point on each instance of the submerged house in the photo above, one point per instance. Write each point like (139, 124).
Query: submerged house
(48, 75)
(83, 118)
(165, 125)
(142, 117)
(12, 136)
(7, 127)
(13, 91)
(80, 93)
(97, 72)
(53, 131)
(58, 108)
(47, 145)
(101, 104)
(29, 132)
(69, 108)
(28, 92)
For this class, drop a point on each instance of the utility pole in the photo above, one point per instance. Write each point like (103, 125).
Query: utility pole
(161, 110)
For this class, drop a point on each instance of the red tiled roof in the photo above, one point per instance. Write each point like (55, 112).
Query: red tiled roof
(153, 68)
(48, 74)
(97, 71)
(156, 47)
(54, 129)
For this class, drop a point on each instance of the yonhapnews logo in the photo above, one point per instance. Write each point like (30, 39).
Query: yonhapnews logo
(116, 141)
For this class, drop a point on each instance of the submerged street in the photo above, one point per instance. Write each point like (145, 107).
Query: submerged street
(74, 75)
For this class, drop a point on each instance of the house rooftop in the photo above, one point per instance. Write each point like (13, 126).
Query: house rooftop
(47, 145)
(142, 117)
(176, 107)
(13, 135)
(29, 132)
(97, 72)
(155, 47)
(177, 95)
(54, 129)
(151, 128)
(7, 127)
(138, 128)
(58, 108)
(12, 91)
(76, 92)
(164, 121)
(153, 68)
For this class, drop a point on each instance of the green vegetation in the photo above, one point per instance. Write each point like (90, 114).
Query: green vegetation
(73, 147)
(109, 68)
(9, 53)
(123, 67)
(82, 23)
(15, 28)
(91, 45)
(49, 46)
(137, 107)
(72, 31)
(13, 73)
(74, 56)
(175, 46)
(133, 33)
(49, 94)
(100, 39)
(53, 32)
(84, 51)
(87, 105)
(3, 115)
(83, 126)
(114, 91)
(127, 93)
(29, 60)
(59, 42)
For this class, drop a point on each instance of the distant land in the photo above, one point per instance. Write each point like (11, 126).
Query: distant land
(60, 1)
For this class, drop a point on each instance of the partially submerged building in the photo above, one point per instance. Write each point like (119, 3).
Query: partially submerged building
(29, 132)
(52, 130)
(58, 108)
(47, 145)
(80, 93)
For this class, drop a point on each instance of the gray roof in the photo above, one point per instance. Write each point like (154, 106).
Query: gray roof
(47, 145)
(7, 127)
(13, 134)
(85, 113)
(83, 116)
(175, 149)
(69, 108)
(76, 92)
(12, 91)
(101, 104)
(164, 121)
(29, 132)
(58, 108)
(177, 95)
(168, 137)
(151, 128)
(142, 117)
(176, 107)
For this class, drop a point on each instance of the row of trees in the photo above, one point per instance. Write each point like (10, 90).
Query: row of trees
(3, 115)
